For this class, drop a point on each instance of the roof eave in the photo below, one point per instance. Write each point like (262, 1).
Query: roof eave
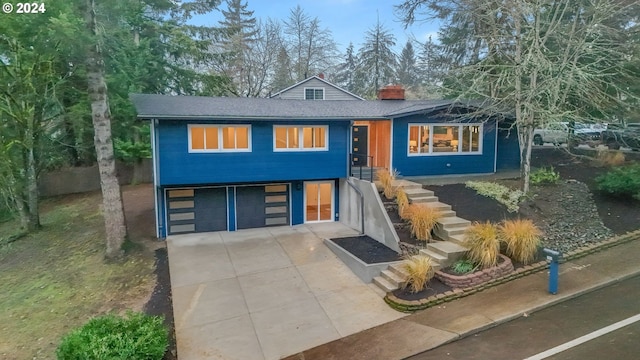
(245, 118)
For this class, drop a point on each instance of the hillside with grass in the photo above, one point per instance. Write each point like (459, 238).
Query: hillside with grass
(56, 279)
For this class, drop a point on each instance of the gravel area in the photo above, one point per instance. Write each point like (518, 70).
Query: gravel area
(567, 215)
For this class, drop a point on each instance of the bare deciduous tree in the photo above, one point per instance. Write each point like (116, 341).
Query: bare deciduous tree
(540, 61)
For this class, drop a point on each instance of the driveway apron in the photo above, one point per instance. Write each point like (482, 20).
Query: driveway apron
(266, 293)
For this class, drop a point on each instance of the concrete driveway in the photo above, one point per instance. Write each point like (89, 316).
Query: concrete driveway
(266, 293)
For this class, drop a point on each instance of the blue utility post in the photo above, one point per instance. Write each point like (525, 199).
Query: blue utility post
(553, 257)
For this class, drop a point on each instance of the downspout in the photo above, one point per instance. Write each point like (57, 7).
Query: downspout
(353, 186)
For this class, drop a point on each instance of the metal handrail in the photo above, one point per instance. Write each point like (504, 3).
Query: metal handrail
(369, 163)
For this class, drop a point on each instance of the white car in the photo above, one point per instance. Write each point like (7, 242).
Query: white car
(555, 133)
(558, 133)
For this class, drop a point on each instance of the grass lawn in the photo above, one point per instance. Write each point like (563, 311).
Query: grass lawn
(56, 279)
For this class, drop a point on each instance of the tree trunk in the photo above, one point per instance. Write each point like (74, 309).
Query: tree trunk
(113, 211)
(32, 193)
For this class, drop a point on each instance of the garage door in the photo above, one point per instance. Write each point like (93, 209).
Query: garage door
(260, 206)
(196, 210)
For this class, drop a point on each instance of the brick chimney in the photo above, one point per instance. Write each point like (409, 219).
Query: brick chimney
(321, 76)
(391, 92)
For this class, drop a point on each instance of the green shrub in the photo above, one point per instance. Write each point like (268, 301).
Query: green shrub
(463, 266)
(135, 336)
(502, 194)
(544, 176)
(622, 181)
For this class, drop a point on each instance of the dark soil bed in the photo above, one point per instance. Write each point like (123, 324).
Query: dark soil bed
(160, 302)
(367, 249)
(434, 287)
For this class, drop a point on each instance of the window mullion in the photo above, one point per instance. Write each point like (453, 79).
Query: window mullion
(301, 138)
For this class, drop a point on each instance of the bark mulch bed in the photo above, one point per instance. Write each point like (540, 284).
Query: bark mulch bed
(367, 249)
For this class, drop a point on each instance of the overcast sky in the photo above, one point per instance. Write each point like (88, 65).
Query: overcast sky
(348, 20)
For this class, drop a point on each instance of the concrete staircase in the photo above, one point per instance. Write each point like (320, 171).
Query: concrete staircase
(450, 228)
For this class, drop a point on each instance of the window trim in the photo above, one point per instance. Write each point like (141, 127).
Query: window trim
(460, 132)
(314, 88)
(220, 148)
(301, 147)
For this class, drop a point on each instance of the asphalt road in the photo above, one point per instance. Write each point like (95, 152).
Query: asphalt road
(560, 324)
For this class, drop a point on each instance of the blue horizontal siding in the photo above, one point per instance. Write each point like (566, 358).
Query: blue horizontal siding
(440, 164)
(508, 157)
(179, 167)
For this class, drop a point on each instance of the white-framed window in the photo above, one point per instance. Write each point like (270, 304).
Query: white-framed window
(443, 139)
(219, 138)
(300, 138)
(314, 93)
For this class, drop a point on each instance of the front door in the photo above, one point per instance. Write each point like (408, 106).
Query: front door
(318, 200)
(360, 145)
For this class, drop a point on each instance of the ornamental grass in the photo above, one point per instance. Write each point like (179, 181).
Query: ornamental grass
(402, 200)
(386, 178)
(420, 270)
(610, 157)
(422, 219)
(484, 246)
(522, 238)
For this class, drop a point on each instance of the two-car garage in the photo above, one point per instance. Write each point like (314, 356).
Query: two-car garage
(226, 208)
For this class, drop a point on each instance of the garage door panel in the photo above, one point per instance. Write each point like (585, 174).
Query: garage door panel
(259, 206)
(250, 207)
(210, 209)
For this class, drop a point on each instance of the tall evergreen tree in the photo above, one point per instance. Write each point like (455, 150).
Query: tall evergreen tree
(376, 61)
(407, 72)
(345, 72)
(238, 40)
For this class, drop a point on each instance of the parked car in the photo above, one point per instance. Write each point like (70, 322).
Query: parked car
(615, 137)
(558, 133)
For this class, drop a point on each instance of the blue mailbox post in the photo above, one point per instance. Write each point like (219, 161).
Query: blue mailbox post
(553, 257)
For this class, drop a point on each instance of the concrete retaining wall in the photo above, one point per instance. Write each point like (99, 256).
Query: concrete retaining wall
(376, 220)
(366, 272)
(84, 179)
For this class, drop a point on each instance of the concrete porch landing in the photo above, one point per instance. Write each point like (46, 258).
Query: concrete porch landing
(266, 293)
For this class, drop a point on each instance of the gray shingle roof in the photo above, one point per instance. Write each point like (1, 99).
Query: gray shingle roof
(151, 106)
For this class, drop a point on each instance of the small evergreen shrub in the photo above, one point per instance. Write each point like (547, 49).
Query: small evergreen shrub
(522, 238)
(463, 266)
(422, 219)
(135, 336)
(502, 194)
(621, 181)
(420, 270)
(482, 241)
(544, 176)
(402, 200)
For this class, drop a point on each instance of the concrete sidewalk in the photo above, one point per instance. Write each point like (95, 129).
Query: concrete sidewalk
(427, 329)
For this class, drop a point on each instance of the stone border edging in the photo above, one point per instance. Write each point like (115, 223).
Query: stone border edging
(409, 306)
(478, 277)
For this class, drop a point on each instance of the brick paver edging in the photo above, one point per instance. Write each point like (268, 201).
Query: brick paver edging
(409, 306)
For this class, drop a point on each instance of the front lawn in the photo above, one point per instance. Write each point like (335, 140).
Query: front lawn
(56, 279)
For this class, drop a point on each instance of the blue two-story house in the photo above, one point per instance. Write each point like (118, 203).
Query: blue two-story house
(237, 163)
